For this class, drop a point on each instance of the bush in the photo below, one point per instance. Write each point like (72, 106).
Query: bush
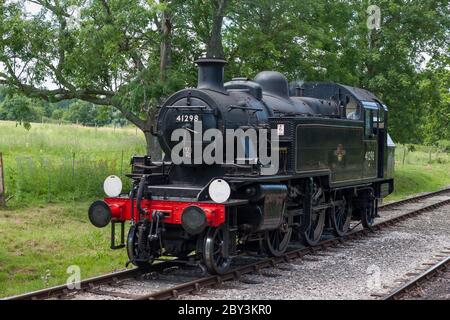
(81, 112)
(444, 145)
(21, 109)
(58, 114)
(411, 148)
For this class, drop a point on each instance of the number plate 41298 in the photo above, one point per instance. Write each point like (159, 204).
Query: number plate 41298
(187, 118)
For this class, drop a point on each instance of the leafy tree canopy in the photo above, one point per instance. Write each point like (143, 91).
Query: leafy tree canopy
(130, 54)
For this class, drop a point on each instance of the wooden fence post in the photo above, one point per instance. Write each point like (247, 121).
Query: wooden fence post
(2, 184)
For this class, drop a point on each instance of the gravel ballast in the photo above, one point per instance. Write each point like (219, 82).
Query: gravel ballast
(363, 269)
(358, 269)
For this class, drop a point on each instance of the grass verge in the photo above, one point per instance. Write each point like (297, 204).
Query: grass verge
(37, 245)
(412, 179)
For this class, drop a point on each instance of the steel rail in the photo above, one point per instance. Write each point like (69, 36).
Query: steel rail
(413, 199)
(87, 284)
(419, 280)
(195, 286)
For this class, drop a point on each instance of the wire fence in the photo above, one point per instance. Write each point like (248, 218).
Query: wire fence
(2, 183)
(421, 155)
(115, 125)
(70, 177)
(75, 176)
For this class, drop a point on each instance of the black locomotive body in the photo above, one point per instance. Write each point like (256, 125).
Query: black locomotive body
(335, 162)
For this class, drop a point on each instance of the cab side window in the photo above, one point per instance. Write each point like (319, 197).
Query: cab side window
(371, 118)
(382, 117)
(352, 110)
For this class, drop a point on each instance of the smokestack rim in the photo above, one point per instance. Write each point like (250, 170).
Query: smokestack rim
(201, 61)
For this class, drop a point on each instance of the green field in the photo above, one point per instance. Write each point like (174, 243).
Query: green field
(37, 245)
(425, 169)
(53, 172)
(52, 163)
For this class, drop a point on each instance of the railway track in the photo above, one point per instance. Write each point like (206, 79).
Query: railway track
(437, 268)
(117, 279)
(85, 285)
(414, 199)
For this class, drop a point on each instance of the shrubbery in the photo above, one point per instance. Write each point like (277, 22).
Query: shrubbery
(24, 110)
(21, 109)
(444, 145)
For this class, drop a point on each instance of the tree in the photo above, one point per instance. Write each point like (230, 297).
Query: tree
(58, 114)
(392, 60)
(330, 41)
(205, 20)
(119, 54)
(132, 54)
(20, 109)
(81, 112)
(437, 114)
(104, 116)
(2, 94)
(108, 59)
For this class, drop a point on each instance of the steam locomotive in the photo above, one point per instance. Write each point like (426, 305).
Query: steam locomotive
(332, 160)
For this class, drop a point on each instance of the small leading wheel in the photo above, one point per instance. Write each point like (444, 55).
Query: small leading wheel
(341, 215)
(276, 241)
(133, 251)
(368, 214)
(215, 251)
(313, 234)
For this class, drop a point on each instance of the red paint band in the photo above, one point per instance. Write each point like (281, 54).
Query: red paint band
(121, 210)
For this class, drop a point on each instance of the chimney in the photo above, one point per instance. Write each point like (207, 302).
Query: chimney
(211, 74)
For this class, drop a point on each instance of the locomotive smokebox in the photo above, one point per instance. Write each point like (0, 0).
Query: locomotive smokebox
(211, 74)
